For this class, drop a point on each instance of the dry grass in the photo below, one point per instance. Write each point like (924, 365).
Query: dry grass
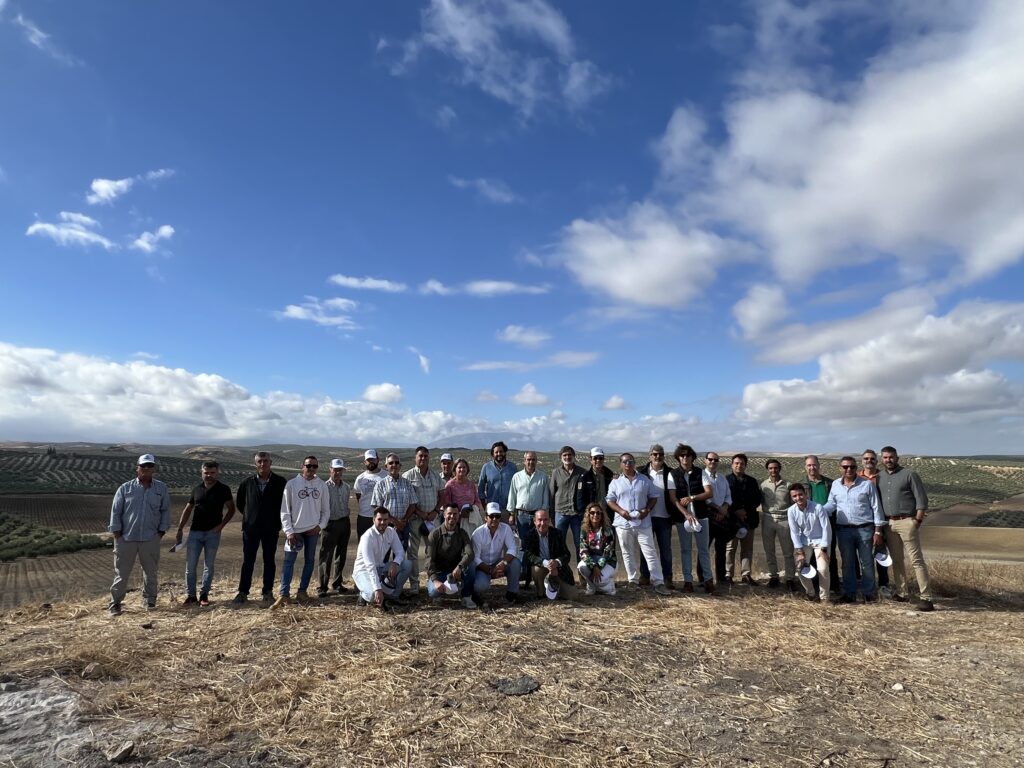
(750, 678)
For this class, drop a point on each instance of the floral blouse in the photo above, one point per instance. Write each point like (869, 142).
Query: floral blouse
(597, 548)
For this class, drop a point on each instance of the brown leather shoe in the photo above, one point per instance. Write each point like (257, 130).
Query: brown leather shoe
(687, 587)
(709, 587)
(645, 581)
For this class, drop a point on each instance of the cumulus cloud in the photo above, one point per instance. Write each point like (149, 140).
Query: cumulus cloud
(383, 393)
(73, 229)
(556, 360)
(106, 191)
(368, 283)
(520, 52)
(614, 403)
(332, 313)
(149, 242)
(493, 190)
(523, 336)
(529, 395)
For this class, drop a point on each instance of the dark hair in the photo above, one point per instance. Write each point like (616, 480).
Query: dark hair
(796, 487)
(889, 449)
(314, 458)
(587, 527)
(452, 505)
(499, 444)
(421, 448)
(848, 458)
(566, 448)
(871, 451)
(210, 464)
(682, 449)
(772, 461)
(740, 456)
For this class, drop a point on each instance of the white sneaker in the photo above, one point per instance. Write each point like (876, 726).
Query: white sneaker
(609, 590)
(590, 589)
(885, 592)
(467, 602)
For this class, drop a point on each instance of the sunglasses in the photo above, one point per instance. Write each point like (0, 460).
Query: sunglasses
(147, 466)
(311, 466)
(849, 466)
(711, 461)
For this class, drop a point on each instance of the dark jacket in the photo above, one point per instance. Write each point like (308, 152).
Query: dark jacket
(443, 560)
(689, 484)
(746, 495)
(556, 550)
(586, 490)
(260, 512)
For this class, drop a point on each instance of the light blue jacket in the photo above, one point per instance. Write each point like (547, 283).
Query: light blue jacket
(140, 513)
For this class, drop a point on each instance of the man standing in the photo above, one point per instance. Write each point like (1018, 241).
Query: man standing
(594, 487)
(905, 505)
(661, 518)
(811, 532)
(380, 569)
(631, 497)
(746, 498)
(869, 471)
(562, 487)
(722, 527)
(859, 525)
(817, 488)
(305, 510)
(549, 559)
(450, 558)
(528, 493)
(496, 479)
(397, 495)
(447, 468)
(692, 495)
(428, 486)
(775, 504)
(363, 487)
(259, 502)
(139, 517)
(206, 509)
(495, 556)
(334, 545)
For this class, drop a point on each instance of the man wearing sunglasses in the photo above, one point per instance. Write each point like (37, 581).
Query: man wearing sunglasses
(305, 511)
(860, 526)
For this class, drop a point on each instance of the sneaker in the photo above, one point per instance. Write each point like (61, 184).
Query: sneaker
(302, 597)
(190, 600)
(281, 602)
(709, 587)
(661, 589)
(343, 590)
(885, 592)
(749, 581)
(204, 600)
(898, 598)
(590, 589)
(151, 605)
(609, 590)
(239, 598)
(360, 602)
(467, 603)
(632, 586)
(114, 609)
(925, 605)
(774, 582)
(321, 593)
(688, 586)
(669, 584)
(267, 597)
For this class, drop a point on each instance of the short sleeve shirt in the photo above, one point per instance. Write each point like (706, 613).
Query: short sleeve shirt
(208, 505)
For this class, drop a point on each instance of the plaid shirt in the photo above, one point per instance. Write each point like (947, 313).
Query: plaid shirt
(395, 495)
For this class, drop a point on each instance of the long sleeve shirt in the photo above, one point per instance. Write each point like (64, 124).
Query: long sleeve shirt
(775, 499)
(140, 513)
(901, 492)
(338, 495)
(857, 504)
(562, 489)
(597, 548)
(496, 482)
(373, 551)
(488, 550)
(448, 550)
(746, 495)
(305, 505)
(809, 527)
(632, 494)
(720, 491)
(528, 492)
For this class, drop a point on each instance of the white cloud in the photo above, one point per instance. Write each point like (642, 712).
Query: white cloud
(482, 288)
(486, 396)
(106, 191)
(557, 360)
(424, 360)
(529, 395)
(494, 190)
(150, 241)
(140, 355)
(383, 393)
(159, 174)
(43, 41)
(368, 283)
(523, 336)
(73, 229)
(761, 310)
(520, 52)
(331, 313)
(614, 403)
(445, 117)
(436, 287)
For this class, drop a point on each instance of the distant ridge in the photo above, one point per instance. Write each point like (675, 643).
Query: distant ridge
(484, 440)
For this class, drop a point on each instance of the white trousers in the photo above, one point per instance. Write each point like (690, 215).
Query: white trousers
(605, 584)
(643, 538)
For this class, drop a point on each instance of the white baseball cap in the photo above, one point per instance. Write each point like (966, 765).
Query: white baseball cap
(447, 457)
(493, 508)
(337, 463)
(692, 527)
(146, 458)
(596, 451)
(808, 571)
(883, 558)
(370, 454)
(551, 588)
(742, 533)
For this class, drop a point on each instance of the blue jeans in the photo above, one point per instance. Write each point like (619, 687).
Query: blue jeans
(365, 585)
(703, 554)
(467, 585)
(662, 528)
(854, 545)
(206, 542)
(482, 582)
(564, 522)
(309, 541)
(251, 543)
(524, 524)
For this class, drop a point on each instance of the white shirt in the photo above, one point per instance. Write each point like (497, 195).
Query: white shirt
(630, 495)
(809, 527)
(373, 548)
(720, 492)
(660, 509)
(305, 505)
(489, 549)
(363, 489)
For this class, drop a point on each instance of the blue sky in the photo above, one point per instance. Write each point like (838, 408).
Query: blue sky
(764, 226)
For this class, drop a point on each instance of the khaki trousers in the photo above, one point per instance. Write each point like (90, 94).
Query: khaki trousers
(746, 548)
(820, 558)
(125, 553)
(771, 529)
(903, 538)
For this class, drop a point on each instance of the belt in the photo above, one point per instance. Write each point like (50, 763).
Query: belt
(526, 511)
(862, 525)
(901, 517)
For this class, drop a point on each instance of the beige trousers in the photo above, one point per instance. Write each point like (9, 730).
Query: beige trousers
(125, 554)
(903, 538)
(820, 558)
(770, 531)
(746, 549)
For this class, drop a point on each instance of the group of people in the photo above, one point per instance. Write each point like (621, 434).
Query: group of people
(869, 516)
